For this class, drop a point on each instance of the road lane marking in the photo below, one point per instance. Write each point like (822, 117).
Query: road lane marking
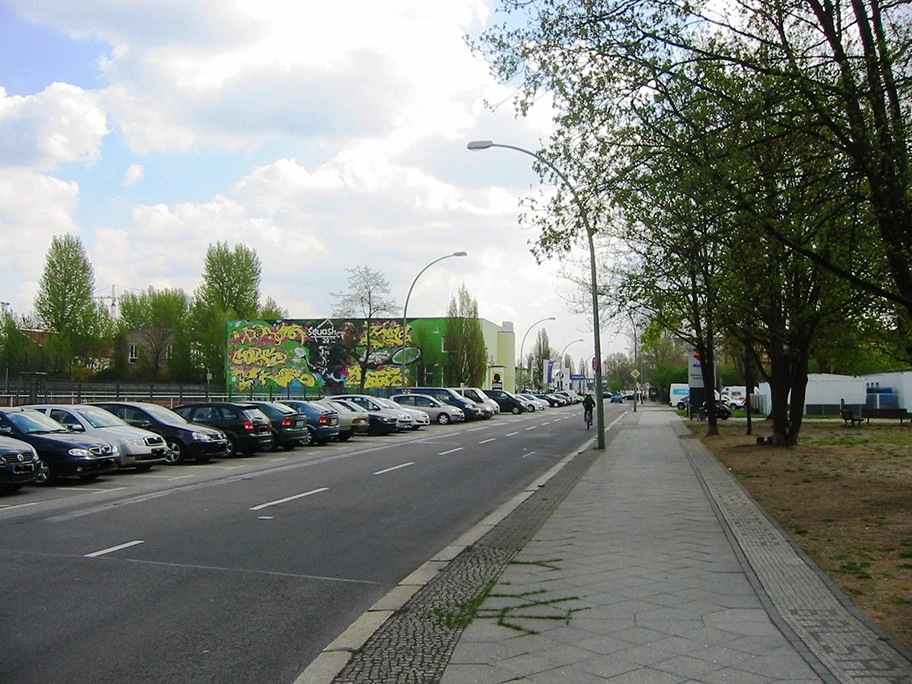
(528, 454)
(389, 470)
(532, 428)
(112, 549)
(477, 429)
(12, 506)
(510, 434)
(288, 498)
(451, 451)
(181, 477)
(485, 441)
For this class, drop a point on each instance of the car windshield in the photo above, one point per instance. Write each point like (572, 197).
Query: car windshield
(255, 414)
(33, 422)
(387, 403)
(99, 418)
(163, 415)
(349, 406)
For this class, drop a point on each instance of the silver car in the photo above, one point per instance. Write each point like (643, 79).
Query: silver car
(140, 449)
(420, 418)
(403, 420)
(436, 410)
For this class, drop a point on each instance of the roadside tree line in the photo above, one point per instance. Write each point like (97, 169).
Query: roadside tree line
(746, 166)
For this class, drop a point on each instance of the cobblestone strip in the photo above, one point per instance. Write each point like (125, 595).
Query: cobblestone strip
(415, 645)
(835, 633)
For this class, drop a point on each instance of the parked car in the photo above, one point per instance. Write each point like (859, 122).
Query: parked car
(248, 429)
(552, 399)
(537, 403)
(419, 418)
(574, 397)
(479, 397)
(288, 425)
(184, 440)
(18, 464)
(380, 422)
(450, 396)
(508, 402)
(322, 422)
(436, 410)
(351, 422)
(140, 449)
(403, 420)
(60, 452)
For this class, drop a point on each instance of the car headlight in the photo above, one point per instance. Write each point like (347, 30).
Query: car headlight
(137, 442)
(201, 436)
(114, 450)
(81, 453)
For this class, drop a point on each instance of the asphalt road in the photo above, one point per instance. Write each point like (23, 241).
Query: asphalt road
(242, 570)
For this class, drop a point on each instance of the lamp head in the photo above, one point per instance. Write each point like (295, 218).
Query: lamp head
(480, 144)
(460, 253)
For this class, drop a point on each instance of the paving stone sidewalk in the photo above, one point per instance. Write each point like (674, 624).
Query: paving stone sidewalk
(658, 567)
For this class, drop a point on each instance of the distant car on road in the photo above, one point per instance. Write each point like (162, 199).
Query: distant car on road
(617, 398)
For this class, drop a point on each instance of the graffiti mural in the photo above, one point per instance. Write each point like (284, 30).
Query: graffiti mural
(304, 354)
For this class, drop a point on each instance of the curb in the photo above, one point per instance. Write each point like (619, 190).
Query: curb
(333, 659)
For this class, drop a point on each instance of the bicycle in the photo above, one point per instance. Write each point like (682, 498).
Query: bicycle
(587, 416)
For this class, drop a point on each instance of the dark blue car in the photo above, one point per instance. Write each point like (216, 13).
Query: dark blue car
(322, 423)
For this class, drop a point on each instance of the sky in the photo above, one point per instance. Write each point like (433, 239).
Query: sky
(325, 136)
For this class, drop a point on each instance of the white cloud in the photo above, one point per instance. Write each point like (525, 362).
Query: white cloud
(33, 209)
(134, 174)
(61, 124)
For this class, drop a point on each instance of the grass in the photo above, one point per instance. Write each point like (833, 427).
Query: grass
(845, 496)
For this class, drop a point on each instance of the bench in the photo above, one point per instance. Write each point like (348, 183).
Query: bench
(899, 413)
(850, 417)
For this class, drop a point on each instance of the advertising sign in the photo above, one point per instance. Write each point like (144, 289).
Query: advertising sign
(694, 371)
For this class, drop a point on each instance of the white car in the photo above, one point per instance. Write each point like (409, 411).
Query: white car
(436, 410)
(419, 417)
(539, 404)
(479, 397)
(403, 420)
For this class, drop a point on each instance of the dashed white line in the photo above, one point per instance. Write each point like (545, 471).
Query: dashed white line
(510, 434)
(112, 549)
(12, 506)
(288, 498)
(532, 428)
(451, 451)
(389, 470)
(485, 441)
(528, 453)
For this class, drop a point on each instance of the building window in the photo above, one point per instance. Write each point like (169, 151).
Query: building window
(443, 343)
(133, 354)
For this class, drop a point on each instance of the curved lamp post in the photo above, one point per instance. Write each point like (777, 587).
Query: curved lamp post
(562, 357)
(405, 308)
(583, 214)
(522, 344)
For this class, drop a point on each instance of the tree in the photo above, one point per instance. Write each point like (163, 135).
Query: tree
(159, 319)
(467, 359)
(541, 352)
(367, 298)
(65, 305)
(272, 311)
(230, 290)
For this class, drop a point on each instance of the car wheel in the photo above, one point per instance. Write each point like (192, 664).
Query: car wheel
(177, 453)
(146, 467)
(306, 440)
(515, 410)
(443, 418)
(47, 473)
(232, 446)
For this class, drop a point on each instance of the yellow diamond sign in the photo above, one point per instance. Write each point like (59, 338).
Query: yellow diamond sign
(635, 373)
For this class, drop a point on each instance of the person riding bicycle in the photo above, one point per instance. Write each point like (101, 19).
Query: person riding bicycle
(588, 405)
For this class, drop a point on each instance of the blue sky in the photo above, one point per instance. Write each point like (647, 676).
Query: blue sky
(326, 136)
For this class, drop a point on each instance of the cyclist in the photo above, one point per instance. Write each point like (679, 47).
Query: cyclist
(588, 405)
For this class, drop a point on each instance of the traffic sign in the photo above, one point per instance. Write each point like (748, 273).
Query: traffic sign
(635, 373)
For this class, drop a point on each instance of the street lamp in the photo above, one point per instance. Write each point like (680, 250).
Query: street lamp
(600, 409)
(561, 359)
(405, 308)
(523, 344)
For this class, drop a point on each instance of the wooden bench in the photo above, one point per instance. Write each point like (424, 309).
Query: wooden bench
(899, 413)
(850, 417)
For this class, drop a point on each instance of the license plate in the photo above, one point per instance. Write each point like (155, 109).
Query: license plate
(299, 423)
(21, 469)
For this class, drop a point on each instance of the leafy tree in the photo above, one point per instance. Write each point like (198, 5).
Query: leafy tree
(65, 307)
(230, 290)
(367, 298)
(159, 319)
(541, 352)
(272, 311)
(466, 354)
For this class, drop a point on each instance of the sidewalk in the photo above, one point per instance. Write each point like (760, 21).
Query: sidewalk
(657, 567)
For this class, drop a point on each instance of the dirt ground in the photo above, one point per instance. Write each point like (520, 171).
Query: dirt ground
(845, 495)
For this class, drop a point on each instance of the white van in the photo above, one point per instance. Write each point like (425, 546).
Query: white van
(677, 393)
(478, 397)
